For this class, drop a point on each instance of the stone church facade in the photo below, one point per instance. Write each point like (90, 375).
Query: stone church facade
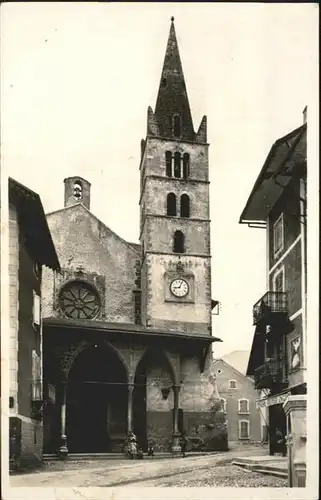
(127, 327)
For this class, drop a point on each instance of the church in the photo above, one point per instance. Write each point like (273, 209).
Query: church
(127, 328)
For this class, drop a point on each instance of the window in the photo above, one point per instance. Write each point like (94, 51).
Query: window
(36, 309)
(244, 406)
(177, 165)
(232, 384)
(36, 376)
(78, 191)
(185, 165)
(168, 159)
(171, 204)
(278, 280)
(177, 126)
(178, 246)
(184, 205)
(244, 429)
(223, 402)
(278, 236)
(79, 300)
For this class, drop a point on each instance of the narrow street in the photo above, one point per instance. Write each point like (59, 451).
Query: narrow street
(204, 470)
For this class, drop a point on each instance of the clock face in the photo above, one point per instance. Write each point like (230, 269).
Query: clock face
(179, 288)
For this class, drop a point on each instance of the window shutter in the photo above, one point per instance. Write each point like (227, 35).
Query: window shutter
(36, 309)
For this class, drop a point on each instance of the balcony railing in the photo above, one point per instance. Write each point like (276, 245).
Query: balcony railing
(272, 304)
(268, 375)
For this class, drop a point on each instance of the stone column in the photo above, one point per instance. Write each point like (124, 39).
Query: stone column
(176, 447)
(63, 450)
(130, 408)
(295, 410)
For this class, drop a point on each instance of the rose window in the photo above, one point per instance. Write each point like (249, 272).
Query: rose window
(79, 300)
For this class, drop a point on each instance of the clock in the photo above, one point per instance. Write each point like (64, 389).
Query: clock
(179, 287)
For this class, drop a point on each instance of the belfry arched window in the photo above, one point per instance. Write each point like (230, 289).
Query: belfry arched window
(79, 300)
(177, 165)
(185, 165)
(171, 204)
(185, 205)
(179, 242)
(176, 126)
(168, 159)
(77, 191)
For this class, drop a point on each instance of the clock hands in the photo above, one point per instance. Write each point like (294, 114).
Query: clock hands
(179, 287)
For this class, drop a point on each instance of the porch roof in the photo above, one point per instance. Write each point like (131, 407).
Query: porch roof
(125, 329)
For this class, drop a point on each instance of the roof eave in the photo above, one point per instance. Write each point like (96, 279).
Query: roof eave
(46, 252)
(260, 216)
(122, 328)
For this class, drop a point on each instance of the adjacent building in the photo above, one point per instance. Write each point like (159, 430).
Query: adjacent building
(30, 248)
(238, 397)
(278, 360)
(128, 327)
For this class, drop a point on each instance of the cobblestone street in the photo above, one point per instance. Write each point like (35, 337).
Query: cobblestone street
(193, 471)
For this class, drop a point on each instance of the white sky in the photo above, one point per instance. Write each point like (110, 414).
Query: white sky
(77, 79)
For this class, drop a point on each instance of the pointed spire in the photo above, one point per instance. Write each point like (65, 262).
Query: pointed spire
(172, 111)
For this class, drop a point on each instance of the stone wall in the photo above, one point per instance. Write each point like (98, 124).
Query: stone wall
(31, 443)
(13, 305)
(82, 241)
(193, 315)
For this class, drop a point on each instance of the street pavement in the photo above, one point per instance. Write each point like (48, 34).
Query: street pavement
(213, 470)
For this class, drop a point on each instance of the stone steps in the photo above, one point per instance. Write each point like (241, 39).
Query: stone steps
(277, 469)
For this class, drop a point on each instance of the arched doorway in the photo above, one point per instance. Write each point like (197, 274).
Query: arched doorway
(153, 400)
(96, 401)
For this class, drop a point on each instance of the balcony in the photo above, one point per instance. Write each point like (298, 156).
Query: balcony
(269, 375)
(271, 308)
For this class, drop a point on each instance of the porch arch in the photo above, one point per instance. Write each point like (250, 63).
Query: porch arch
(153, 399)
(96, 399)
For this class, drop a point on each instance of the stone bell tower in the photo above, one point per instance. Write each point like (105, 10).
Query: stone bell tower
(174, 209)
(77, 190)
